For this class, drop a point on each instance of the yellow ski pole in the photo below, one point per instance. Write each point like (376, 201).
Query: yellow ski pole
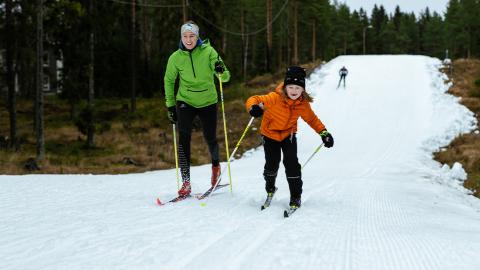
(176, 154)
(243, 135)
(232, 155)
(225, 131)
(311, 156)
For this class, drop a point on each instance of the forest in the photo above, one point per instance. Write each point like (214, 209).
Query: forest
(104, 49)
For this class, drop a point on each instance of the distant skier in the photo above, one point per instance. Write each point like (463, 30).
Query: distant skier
(343, 72)
(195, 64)
(281, 110)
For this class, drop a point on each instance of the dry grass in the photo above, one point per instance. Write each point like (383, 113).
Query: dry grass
(466, 148)
(144, 138)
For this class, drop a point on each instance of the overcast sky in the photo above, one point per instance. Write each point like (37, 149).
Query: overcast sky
(416, 6)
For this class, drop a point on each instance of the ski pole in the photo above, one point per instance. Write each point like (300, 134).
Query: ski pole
(232, 155)
(225, 131)
(243, 135)
(176, 154)
(311, 156)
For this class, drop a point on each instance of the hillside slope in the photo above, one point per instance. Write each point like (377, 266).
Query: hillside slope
(376, 200)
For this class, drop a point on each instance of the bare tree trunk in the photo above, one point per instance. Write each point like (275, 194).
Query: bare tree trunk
(185, 14)
(9, 38)
(281, 51)
(287, 40)
(244, 45)
(39, 86)
(133, 101)
(314, 40)
(91, 81)
(245, 59)
(280, 56)
(469, 31)
(295, 32)
(224, 36)
(268, 63)
(147, 46)
(254, 51)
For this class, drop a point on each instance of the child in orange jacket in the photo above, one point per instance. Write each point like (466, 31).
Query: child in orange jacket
(281, 110)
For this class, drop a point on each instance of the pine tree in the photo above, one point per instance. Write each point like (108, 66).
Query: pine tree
(434, 36)
(379, 20)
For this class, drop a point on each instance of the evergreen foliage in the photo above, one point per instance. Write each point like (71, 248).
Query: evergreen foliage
(237, 29)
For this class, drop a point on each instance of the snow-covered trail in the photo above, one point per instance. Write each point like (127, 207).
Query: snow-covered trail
(376, 200)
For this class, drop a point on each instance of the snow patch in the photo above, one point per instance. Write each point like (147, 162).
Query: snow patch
(450, 117)
(453, 176)
(368, 203)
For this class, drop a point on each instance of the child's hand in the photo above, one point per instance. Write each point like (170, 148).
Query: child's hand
(326, 138)
(256, 111)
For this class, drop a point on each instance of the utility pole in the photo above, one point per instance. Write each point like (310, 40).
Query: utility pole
(364, 30)
(364, 37)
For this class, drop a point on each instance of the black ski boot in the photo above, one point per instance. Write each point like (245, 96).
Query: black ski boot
(295, 203)
(270, 187)
(269, 199)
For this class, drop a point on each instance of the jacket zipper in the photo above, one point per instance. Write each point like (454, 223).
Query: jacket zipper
(191, 61)
(290, 108)
(288, 120)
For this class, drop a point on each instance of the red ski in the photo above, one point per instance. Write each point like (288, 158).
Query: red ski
(199, 196)
(174, 200)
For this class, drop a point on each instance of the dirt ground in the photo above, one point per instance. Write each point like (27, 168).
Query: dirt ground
(465, 149)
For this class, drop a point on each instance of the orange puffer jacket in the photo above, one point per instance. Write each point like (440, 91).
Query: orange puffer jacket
(281, 114)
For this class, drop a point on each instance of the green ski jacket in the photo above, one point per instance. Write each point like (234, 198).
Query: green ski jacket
(196, 69)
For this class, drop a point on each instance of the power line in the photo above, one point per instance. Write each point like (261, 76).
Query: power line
(145, 5)
(238, 33)
(205, 18)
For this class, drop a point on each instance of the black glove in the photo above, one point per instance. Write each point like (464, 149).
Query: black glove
(219, 67)
(326, 138)
(256, 111)
(172, 114)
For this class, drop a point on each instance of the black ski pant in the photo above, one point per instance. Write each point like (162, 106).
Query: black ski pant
(185, 117)
(273, 150)
(342, 77)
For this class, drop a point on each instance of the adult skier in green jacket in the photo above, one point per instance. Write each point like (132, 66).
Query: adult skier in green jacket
(195, 63)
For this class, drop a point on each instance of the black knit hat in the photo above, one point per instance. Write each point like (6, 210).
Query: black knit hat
(295, 75)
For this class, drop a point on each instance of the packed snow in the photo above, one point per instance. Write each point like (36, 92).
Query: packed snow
(376, 200)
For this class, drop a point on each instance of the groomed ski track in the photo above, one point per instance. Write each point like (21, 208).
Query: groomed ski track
(376, 200)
